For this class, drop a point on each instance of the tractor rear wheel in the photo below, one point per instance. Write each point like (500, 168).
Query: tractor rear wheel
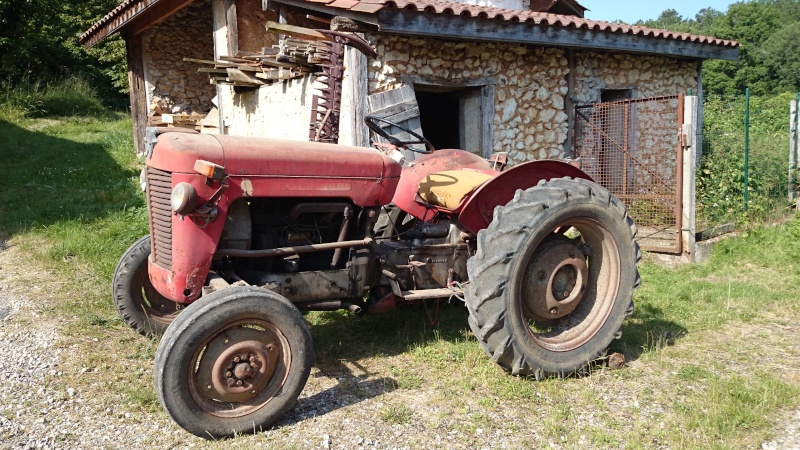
(233, 362)
(553, 278)
(138, 303)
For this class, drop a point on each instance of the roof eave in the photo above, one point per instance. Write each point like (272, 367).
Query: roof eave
(133, 17)
(424, 24)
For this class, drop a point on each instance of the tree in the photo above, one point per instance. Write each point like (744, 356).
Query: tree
(39, 42)
(769, 34)
(781, 57)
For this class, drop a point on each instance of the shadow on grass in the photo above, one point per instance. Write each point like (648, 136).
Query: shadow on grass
(49, 179)
(342, 340)
(646, 330)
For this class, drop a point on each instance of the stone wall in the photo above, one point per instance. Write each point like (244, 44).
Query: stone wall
(530, 117)
(649, 76)
(172, 84)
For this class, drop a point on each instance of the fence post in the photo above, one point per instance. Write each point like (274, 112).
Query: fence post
(691, 121)
(794, 119)
(746, 147)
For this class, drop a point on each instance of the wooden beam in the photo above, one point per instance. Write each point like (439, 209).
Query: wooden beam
(155, 14)
(295, 31)
(412, 23)
(233, 26)
(371, 19)
(137, 93)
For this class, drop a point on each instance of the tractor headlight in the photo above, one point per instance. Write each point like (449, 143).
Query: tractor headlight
(184, 198)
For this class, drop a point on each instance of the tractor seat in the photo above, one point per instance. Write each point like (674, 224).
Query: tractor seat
(449, 188)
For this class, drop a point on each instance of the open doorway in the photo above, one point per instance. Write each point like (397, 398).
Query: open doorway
(456, 117)
(439, 115)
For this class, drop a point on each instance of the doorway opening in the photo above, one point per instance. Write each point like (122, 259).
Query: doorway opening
(456, 117)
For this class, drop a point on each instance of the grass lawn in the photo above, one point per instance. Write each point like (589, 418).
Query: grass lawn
(713, 351)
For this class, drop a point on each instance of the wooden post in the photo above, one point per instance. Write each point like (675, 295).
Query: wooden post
(223, 12)
(355, 89)
(138, 90)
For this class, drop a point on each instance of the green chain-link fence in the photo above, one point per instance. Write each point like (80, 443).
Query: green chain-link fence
(744, 173)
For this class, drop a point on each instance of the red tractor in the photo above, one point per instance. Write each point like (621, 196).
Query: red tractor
(245, 233)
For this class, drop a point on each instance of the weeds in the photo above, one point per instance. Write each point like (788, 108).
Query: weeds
(397, 414)
(73, 96)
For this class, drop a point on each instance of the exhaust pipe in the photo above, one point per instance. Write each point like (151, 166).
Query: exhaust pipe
(328, 305)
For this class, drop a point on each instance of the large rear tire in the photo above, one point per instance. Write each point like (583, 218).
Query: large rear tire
(553, 278)
(138, 303)
(233, 362)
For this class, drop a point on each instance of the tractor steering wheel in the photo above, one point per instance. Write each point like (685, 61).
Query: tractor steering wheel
(373, 124)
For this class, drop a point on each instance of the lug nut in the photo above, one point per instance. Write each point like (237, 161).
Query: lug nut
(554, 311)
(229, 374)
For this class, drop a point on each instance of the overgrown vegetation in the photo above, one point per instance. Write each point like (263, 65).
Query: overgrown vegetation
(39, 44)
(709, 347)
(721, 177)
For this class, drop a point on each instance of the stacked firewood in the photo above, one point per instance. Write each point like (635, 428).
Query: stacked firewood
(300, 51)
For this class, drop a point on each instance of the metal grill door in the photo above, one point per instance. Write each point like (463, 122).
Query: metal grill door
(632, 148)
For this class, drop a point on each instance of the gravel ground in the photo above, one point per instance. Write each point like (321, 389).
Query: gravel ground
(339, 408)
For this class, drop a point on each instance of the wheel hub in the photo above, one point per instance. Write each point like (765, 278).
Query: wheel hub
(241, 371)
(555, 280)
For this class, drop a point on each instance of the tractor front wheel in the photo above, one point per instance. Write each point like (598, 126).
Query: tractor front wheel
(233, 362)
(553, 278)
(138, 303)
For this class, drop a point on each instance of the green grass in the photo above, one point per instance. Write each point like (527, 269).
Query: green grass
(708, 346)
(73, 96)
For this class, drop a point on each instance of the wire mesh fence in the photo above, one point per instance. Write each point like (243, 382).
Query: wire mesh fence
(631, 148)
(743, 177)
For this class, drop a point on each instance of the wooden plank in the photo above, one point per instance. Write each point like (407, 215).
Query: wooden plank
(233, 27)
(273, 63)
(443, 26)
(397, 102)
(278, 75)
(398, 112)
(234, 59)
(137, 91)
(295, 31)
(237, 76)
(212, 70)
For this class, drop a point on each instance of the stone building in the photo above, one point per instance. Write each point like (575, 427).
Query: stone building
(504, 76)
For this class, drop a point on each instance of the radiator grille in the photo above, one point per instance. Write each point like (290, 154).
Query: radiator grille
(159, 189)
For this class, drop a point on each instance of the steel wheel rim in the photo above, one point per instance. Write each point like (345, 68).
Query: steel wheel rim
(211, 364)
(594, 306)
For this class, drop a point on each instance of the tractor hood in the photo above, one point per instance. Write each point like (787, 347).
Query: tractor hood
(251, 156)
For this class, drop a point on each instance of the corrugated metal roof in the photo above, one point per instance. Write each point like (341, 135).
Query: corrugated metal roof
(129, 9)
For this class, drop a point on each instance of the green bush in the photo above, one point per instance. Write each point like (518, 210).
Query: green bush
(720, 179)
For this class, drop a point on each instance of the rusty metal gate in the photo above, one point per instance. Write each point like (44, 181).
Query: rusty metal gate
(632, 148)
